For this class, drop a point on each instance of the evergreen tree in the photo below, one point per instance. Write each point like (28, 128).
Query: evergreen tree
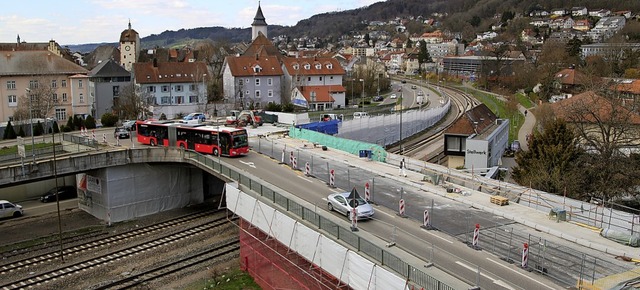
(21, 132)
(423, 55)
(367, 39)
(409, 43)
(90, 122)
(56, 129)
(9, 132)
(70, 124)
(38, 130)
(553, 161)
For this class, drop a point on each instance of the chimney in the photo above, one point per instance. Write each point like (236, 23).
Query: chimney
(155, 62)
(257, 57)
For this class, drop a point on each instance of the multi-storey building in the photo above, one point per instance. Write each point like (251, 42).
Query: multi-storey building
(108, 79)
(51, 85)
(316, 82)
(172, 88)
(252, 80)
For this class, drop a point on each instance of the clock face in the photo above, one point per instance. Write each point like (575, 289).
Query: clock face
(127, 48)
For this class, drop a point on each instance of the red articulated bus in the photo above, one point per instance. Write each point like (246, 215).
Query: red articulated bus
(197, 137)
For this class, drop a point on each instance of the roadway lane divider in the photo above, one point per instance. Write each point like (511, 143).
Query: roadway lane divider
(476, 237)
(525, 256)
(426, 222)
(332, 178)
(367, 192)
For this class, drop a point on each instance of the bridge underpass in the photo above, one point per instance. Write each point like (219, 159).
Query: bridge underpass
(408, 273)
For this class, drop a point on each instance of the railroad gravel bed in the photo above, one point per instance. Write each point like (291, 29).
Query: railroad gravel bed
(19, 232)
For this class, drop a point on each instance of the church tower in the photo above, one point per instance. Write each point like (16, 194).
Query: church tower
(129, 47)
(259, 24)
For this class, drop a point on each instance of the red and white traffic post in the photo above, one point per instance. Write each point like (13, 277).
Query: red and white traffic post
(354, 220)
(332, 178)
(367, 192)
(525, 256)
(401, 207)
(307, 169)
(291, 158)
(93, 134)
(104, 137)
(426, 222)
(476, 233)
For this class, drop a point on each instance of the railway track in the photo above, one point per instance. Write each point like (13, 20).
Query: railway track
(230, 247)
(462, 102)
(98, 243)
(76, 268)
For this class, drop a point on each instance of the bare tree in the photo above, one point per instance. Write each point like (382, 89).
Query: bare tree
(41, 98)
(132, 103)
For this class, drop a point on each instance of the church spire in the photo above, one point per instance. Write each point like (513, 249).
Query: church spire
(259, 24)
(129, 23)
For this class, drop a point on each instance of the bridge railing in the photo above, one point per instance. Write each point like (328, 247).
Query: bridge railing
(379, 254)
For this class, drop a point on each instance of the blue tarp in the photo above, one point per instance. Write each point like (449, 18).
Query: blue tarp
(328, 127)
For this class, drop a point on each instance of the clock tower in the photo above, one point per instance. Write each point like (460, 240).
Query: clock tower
(129, 47)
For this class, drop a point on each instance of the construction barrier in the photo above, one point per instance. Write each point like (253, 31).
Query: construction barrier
(291, 158)
(294, 164)
(307, 169)
(401, 207)
(426, 223)
(104, 138)
(93, 134)
(354, 220)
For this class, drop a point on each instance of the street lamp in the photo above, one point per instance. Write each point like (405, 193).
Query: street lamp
(204, 88)
(362, 94)
(33, 147)
(401, 95)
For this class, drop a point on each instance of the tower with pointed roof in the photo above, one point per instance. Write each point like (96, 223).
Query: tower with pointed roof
(259, 24)
(129, 47)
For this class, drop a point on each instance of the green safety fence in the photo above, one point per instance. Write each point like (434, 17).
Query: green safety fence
(372, 151)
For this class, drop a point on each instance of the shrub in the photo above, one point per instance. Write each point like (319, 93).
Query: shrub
(162, 117)
(38, 130)
(56, 129)
(9, 132)
(65, 129)
(78, 122)
(70, 124)
(109, 120)
(21, 132)
(289, 108)
(90, 122)
(271, 106)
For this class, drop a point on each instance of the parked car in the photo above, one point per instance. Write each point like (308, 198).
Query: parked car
(414, 87)
(129, 125)
(403, 81)
(342, 203)
(195, 116)
(360, 115)
(515, 146)
(121, 133)
(378, 99)
(8, 209)
(393, 96)
(64, 192)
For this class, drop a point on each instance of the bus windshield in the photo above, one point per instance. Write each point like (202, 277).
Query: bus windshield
(240, 141)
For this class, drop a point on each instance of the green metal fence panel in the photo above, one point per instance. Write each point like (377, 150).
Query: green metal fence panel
(370, 249)
(395, 263)
(348, 236)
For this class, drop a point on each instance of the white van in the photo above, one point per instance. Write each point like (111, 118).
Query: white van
(359, 115)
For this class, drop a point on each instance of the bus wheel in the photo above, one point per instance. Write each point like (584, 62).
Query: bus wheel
(152, 143)
(215, 152)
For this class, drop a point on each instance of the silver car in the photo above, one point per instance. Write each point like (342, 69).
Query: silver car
(342, 203)
(8, 209)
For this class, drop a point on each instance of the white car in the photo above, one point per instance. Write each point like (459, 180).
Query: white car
(8, 209)
(343, 202)
(393, 96)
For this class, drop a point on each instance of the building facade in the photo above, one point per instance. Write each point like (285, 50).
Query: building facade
(129, 47)
(108, 79)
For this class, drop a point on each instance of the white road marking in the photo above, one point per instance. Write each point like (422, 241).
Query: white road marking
(495, 281)
(250, 164)
(439, 237)
(523, 275)
(305, 178)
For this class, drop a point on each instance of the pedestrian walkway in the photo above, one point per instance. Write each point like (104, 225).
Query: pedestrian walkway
(527, 128)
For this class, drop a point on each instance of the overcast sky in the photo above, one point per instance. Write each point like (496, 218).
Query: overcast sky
(95, 21)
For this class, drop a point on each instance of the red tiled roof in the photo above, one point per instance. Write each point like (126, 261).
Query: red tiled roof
(569, 76)
(242, 66)
(593, 107)
(632, 88)
(316, 66)
(169, 72)
(474, 121)
(322, 93)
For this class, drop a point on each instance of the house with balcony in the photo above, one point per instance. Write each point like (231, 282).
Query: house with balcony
(172, 88)
(53, 86)
(316, 83)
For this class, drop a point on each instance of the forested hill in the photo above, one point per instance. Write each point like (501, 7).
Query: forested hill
(457, 15)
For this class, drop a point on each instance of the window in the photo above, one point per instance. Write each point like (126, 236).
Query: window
(240, 82)
(257, 94)
(318, 66)
(80, 83)
(270, 93)
(257, 82)
(309, 79)
(270, 82)
(81, 98)
(55, 97)
(192, 87)
(11, 85)
(329, 66)
(33, 84)
(165, 89)
(307, 66)
(61, 114)
(320, 78)
(13, 101)
(296, 66)
(54, 83)
(246, 81)
(193, 99)
(298, 79)
(63, 83)
(116, 91)
(179, 99)
(165, 100)
(64, 97)
(178, 88)
(151, 89)
(246, 93)
(152, 101)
